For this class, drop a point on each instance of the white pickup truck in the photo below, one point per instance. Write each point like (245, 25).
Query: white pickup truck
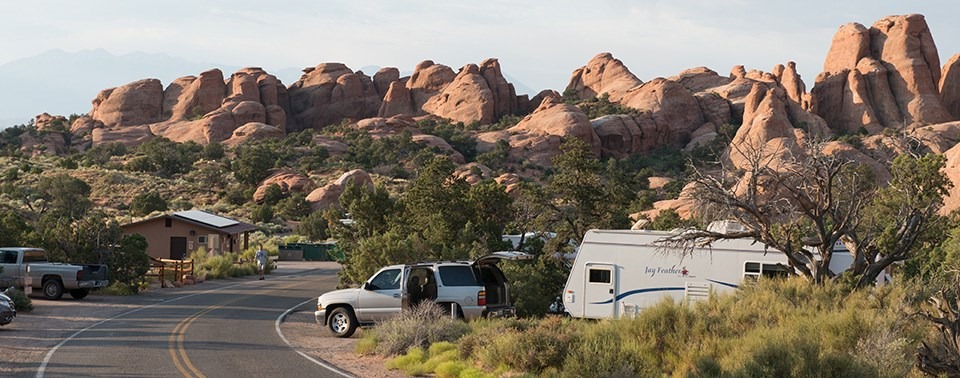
(28, 267)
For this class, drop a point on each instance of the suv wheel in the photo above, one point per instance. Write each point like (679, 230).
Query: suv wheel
(342, 322)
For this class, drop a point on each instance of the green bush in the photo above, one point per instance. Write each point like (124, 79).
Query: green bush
(147, 202)
(534, 349)
(418, 328)
(223, 266)
(20, 300)
(774, 328)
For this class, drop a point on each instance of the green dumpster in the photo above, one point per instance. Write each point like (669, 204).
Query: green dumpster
(314, 252)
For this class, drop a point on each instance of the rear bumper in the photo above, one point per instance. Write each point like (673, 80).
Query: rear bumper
(500, 312)
(92, 284)
(321, 317)
(7, 316)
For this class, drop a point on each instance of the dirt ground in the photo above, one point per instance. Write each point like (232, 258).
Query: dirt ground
(25, 343)
(315, 340)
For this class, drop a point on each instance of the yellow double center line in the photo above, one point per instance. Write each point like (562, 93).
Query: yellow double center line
(177, 350)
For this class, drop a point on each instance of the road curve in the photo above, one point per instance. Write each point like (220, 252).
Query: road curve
(229, 331)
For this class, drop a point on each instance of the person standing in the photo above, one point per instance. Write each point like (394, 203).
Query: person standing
(261, 258)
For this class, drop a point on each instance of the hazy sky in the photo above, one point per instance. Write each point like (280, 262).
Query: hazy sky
(538, 42)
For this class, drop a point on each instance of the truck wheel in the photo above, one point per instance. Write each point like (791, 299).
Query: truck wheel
(53, 288)
(342, 322)
(79, 293)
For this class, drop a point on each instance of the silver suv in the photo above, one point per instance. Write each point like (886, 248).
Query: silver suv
(472, 289)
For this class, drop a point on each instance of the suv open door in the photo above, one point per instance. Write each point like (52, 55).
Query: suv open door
(495, 283)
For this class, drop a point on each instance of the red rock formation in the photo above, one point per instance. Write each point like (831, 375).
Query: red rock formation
(384, 78)
(137, 103)
(673, 109)
(288, 182)
(602, 74)
(952, 169)
(427, 80)
(397, 101)
(475, 94)
(192, 97)
(950, 86)
(329, 195)
(467, 99)
(47, 122)
(254, 131)
(329, 93)
(504, 94)
(884, 76)
(537, 138)
(700, 79)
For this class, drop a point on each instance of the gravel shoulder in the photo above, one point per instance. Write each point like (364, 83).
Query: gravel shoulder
(305, 334)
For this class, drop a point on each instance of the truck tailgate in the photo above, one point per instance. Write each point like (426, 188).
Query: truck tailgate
(94, 272)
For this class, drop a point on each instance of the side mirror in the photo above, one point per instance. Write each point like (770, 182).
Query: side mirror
(366, 286)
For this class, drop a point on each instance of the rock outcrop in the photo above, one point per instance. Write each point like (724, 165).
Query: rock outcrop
(134, 104)
(885, 76)
(477, 94)
(537, 138)
(254, 131)
(329, 195)
(602, 74)
(329, 93)
(201, 109)
(288, 182)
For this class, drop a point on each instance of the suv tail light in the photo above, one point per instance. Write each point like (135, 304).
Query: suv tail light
(481, 298)
(79, 275)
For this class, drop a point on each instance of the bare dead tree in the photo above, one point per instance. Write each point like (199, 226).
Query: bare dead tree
(797, 202)
(941, 355)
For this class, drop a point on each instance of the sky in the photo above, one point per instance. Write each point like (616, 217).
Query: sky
(538, 43)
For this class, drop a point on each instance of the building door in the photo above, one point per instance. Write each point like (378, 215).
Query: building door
(178, 248)
(600, 291)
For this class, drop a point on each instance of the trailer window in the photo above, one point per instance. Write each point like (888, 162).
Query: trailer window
(754, 270)
(600, 276)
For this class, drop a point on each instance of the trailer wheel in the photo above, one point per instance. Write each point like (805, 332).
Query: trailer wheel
(79, 293)
(53, 288)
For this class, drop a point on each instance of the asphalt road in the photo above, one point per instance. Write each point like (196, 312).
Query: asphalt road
(226, 331)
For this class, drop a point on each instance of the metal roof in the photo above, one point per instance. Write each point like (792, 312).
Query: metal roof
(206, 218)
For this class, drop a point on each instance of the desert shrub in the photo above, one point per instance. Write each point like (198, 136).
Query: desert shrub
(262, 213)
(119, 289)
(20, 299)
(147, 202)
(771, 328)
(272, 194)
(223, 266)
(314, 227)
(423, 325)
(295, 206)
(213, 151)
(411, 363)
(534, 349)
(601, 105)
(440, 359)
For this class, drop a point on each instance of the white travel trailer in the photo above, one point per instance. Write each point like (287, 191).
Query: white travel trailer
(617, 273)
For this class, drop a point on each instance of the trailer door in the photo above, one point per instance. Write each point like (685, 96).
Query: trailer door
(599, 291)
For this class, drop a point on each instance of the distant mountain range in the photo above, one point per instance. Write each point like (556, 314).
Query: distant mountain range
(63, 83)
